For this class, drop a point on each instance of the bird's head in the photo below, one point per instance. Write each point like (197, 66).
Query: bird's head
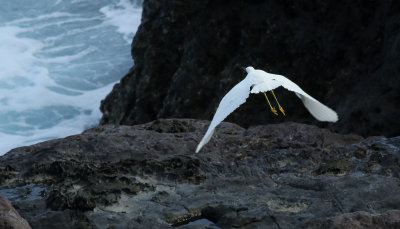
(248, 69)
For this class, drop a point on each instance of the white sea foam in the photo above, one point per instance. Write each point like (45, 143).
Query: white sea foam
(58, 60)
(14, 51)
(125, 16)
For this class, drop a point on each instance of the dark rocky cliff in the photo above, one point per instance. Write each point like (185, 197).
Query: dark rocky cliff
(188, 54)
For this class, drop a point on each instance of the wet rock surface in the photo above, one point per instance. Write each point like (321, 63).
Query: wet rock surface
(285, 175)
(188, 56)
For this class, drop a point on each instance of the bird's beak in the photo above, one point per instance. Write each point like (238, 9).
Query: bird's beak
(243, 68)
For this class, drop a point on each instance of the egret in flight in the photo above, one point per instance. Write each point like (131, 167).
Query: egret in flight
(258, 81)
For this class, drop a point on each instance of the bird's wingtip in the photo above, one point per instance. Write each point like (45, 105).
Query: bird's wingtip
(199, 147)
(336, 118)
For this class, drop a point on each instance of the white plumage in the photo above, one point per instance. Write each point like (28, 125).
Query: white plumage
(258, 81)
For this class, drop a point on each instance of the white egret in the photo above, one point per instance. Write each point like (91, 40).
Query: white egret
(258, 81)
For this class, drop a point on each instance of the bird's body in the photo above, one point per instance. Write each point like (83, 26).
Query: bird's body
(258, 81)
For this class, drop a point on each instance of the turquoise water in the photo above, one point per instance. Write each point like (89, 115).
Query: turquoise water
(58, 60)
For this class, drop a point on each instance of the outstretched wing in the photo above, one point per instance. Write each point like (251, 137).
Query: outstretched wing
(317, 109)
(232, 100)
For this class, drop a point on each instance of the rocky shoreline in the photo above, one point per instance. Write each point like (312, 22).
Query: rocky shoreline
(138, 168)
(285, 175)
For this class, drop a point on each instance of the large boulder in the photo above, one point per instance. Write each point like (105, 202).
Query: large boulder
(9, 217)
(147, 176)
(188, 54)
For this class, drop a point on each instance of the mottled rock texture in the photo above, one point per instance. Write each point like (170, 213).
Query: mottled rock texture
(147, 176)
(362, 220)
(187, 56)
(9, 217)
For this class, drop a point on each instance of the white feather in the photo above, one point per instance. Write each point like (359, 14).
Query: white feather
(261, 82)
(232, 100)
(317, 109)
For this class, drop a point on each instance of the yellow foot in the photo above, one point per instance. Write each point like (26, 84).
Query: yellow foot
(274, 111)
(282, 110)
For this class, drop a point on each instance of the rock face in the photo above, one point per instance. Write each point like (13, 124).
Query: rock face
(187, 56)
(147, 176)
(391, 219)
(9, 217)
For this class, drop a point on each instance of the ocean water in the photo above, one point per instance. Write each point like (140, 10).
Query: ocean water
(58, 60)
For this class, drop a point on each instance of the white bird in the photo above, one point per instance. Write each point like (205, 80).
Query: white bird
(258, 81)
